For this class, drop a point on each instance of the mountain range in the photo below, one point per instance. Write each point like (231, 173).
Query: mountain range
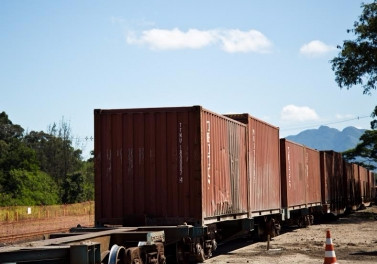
(326, 138)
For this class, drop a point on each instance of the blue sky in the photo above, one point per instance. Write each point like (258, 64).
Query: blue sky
(267, 58)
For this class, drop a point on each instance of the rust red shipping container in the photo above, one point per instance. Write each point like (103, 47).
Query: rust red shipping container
(167, 166)
(264, 165)
(300, 169)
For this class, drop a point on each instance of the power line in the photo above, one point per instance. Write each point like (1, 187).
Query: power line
(325, 124)
(87, 138)
(91, 138)
(336, 122)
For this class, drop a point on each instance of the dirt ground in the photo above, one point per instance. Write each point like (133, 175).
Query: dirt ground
(354, 239)
(16, 232)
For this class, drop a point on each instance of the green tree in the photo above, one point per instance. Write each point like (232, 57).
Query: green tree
(30, 188)
(365, 152)
(7, 129)
(79, 186)
(64, 158)
(21, 181)
(356, 65)
(73, 188)
(87, 171)
(56, 155)
(42, 167)
(13, 153)
(373, 124)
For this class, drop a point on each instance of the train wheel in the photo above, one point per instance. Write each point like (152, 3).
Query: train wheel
(214, 244)
(300, 222)
(117, 255)
(277, 227)
(200, 257)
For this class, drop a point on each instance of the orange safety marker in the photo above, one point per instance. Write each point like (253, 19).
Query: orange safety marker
(330, 257)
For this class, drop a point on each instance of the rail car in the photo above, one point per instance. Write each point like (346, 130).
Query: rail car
(169, 167)
(345, 186)
(170, 183)
(301, 183)
(263, 174)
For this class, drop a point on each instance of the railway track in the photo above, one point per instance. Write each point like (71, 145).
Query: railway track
(30, 236)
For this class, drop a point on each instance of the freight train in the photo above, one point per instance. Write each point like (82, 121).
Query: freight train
(175, 181)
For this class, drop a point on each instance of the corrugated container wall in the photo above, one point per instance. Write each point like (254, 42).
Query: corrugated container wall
(364, 179)
(373, 185)
(349, 184)
(301, 179)
(370, 185)
(313, 186)
(355, 169)
(264, 165)
(332, 180)
(167, 166)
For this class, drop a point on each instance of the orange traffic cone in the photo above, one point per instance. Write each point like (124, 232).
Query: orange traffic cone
(330, 257)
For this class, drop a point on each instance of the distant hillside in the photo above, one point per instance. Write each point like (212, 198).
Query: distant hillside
(326, 138)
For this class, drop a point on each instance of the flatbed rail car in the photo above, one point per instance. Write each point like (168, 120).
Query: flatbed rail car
(110, 245)
(92, 246)
(172, 166)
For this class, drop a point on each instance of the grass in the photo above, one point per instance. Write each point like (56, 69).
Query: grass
(19, 213)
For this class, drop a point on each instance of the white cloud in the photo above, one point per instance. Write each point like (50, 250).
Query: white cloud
(316, 48)
(173, 39)
(298, 113)
(230, 40)
(240, 41)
